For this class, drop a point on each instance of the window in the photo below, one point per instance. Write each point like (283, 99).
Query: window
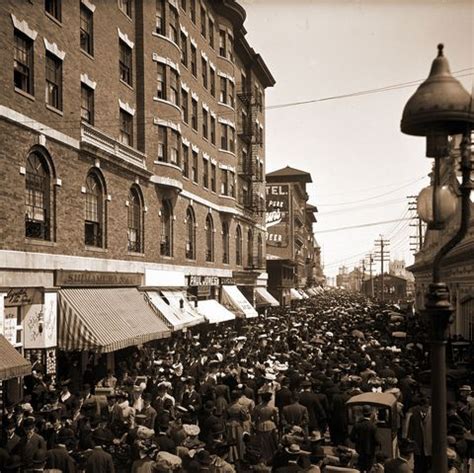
(231, 94)
(231, 177)
(173, 25)
(194, 114)
(209, 228)
(213, 130)
(225, 243)
(250, 248)
(161, 78)
(193, 60)
(222, 43)
(166, 243)
(162, 144)
(94, 212)
(183, 4)
(184, 49)
(126, 7)
(238, 246)
(53, 7)
(23, 63)
(185, 150)
(213, 177)
(126, 128)
(224, 182)
(227, 138)
(203, 21)
(125, 63)
(224, 136)
(192, 7)
(54, 81)
(135, 220)
(87, 104)
(205, 172)
(205, 123)
(230, 48)
(213, 82)
(86, 30)
(174, 91)
(160, 17)
(204, 72)
(190, 234)
(174, 147)
(231, 139)
(38, 198)
(223, 90)
(211, 33)
(194, 169)
(185, 105)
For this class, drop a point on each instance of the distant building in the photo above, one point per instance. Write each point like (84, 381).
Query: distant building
(394, 288)
(352, 281)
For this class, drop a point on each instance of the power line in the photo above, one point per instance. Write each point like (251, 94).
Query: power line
(350, 209)
(371, 224)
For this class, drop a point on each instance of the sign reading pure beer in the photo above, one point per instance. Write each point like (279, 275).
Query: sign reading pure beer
(277, 215)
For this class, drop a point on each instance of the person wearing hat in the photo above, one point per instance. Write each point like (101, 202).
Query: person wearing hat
(148, 411)
(191, 399)
(419, 430)
(99, 461)
(307, 398)
(30, 443)
(11, 439)
(58, 457)
(266, 420)
(295, 414)
(66, 398)
(401, 464)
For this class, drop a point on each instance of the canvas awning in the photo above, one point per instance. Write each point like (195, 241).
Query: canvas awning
(236, 301)
(303, 294)
(179, 301)
(263, 297)
(12, 363)
(173, 317)
(106, 319)
(295, 295)
(214, 312)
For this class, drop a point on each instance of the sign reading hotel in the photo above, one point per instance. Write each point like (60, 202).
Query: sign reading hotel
(277, 215)
(97, 279)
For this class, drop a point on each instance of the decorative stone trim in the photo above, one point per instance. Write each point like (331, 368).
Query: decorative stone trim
(195, 96)
(226, 76)
(195, 148)
(165, 60)
(125, 106)
(88, 5)
(193, 41)
(89, 82)
(205, 106)
(227, 167)
(168, 124)
(124, 37)
(185, 86)
(204, 55)
(23, 27)
(53, 49)
(212, 65)
(227, 122)
(184, 31)
(205, 155)
(185, 141)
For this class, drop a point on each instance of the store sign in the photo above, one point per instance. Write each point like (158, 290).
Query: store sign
(10, 317)
(194, 280)
(40, 323)
(86, 278)
(227, 281)
(277, 215)
(244, 279)
(18, 296)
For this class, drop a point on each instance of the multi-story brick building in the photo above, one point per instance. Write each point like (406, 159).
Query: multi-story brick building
(132, 150)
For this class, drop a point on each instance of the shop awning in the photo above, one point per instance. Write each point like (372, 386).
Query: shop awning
(236, 301)
(311, 292)
(106, 319)
(303, 294)
(263, 297)
(214, 312)
(295, 295)
(12, 363)
(189, 314)
(173, 317)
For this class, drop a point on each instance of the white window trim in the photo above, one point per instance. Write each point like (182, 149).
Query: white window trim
(195, 148)
(124, 37)
(185, 141)
(213, 114)
(184, 31)
(205, 106)
(88, 5)
(193, 41)
(227, 122)
(226, 76)
(24, 28)
(89, 82)
(53, 49)
(213, 161)
(126, 107)
(227, 167)
(168, 124)
(195, 96)
(185, 86)
(205, 56)
(167, 61)
(174, 4)
(205, 155)
(212, 66)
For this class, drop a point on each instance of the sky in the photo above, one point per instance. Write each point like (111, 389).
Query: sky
(362, 166)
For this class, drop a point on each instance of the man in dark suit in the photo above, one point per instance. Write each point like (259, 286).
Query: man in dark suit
(148, 411)
(10, 439)
(308, 399)
(30, 443)
(364, 436)
(283, 396)
(295, 414)
(99, 461)
(59, 458)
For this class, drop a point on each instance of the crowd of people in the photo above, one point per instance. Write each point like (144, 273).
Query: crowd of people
(265, 394)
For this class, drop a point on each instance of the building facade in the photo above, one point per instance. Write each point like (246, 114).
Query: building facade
(133, 153)
(394, 288)
(290, 237)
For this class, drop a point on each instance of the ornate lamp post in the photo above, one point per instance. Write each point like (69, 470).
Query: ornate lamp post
(440, 108)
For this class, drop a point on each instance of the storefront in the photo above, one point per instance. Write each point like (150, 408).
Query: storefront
(235, 301)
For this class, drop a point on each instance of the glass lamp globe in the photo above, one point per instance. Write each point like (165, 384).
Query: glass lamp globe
(447, 204)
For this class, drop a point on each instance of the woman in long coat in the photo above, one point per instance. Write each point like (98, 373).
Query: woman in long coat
(265, 419)
(237, 415)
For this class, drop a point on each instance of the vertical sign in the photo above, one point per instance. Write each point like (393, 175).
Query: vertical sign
(40, 324)
(277, 218)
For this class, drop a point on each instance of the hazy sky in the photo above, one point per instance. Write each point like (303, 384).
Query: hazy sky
(353, 147)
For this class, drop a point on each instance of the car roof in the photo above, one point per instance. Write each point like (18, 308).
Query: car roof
(383, 399)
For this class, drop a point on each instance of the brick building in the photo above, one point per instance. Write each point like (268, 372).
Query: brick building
(133, 156)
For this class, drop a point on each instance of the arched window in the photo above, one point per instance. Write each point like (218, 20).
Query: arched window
(166, 243)
(135, 220)
(38, 198)
(261, 262)
(190, 234)
(225, 243)
(94, 212)
(209, 238)
(250, 248)
(238, 246)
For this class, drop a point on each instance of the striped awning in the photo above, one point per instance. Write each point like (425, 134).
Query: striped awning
(263, 297)
(12, 363)
(106, 319)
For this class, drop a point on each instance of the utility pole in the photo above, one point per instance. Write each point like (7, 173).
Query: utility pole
(370, 259)
(362, 276)
(416, 241)
(382, 254)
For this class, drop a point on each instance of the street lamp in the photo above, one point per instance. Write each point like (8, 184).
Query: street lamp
(441, 108)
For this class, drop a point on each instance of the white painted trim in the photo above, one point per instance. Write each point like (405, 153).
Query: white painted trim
(88, 5)
(166, 60)
(204, 55)
(195, 96)
(213, 114)
(124, 37)
(226, 76)
(53, 49)
(128, 108)
(206, 203)
(205, 155)
(168, 124)
(227, 122)
(195, 148)
(193, 41)
(227, 167)
(89, 82)
(174, 4)
(24, 28)
(205, 106)
(185, 86)
(28, 122)
(185, 141)
(184, 31)
(212, 66)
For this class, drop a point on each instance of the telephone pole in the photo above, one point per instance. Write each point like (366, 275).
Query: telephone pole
(416, 241)
(382, 254)
(370, 262)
